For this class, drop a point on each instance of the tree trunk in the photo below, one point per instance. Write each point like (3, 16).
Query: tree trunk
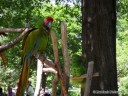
(99, 44)
(83, 41)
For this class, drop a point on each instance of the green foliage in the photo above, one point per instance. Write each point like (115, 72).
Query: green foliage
(78, 65)
(122, 9)
(122, 46)
(77, 69)
(74, 92)
(123, 86)
(77, 82)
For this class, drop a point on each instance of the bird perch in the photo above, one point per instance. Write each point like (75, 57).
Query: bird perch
(13, 42)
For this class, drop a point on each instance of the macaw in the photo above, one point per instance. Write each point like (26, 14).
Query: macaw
(35, 41)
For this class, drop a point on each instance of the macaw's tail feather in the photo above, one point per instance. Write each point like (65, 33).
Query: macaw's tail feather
(23, 80)
(3, 57)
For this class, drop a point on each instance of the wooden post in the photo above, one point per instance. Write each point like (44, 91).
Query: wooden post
(65, 53)
(54, 86)
(65, 48)
(89, 78)
(60, 75)
(39, 77)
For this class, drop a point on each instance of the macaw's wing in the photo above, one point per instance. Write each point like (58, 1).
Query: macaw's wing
(24, 39)
(29, 42)
(35, 41)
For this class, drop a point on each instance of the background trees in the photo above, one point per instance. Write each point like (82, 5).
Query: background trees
(15, 13)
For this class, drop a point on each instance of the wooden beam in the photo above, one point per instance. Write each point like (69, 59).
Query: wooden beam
(12, 30)
(14, 42)
(44, 60)
(84, 76)
(50, 70)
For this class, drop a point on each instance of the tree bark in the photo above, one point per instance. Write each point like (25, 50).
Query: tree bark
(99, 30)
(83, 41)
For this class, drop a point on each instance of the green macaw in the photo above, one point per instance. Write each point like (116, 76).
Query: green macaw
(35, 41)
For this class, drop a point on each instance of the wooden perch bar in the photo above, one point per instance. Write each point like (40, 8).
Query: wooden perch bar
(55, 49)
(6, 30)
(44, 60)
(14, 42)
(50, 70)
(84, 76)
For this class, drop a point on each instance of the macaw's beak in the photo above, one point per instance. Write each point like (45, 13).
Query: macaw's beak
(49, 24)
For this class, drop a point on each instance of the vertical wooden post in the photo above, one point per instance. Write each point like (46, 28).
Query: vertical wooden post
(89, 78)
(60, 75)
(65, 53)
(54, 85)
(39, 77)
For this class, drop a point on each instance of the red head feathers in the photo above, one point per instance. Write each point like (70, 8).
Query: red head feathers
(48, 19)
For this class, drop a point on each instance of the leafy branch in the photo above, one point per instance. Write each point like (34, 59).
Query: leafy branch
(16, 40)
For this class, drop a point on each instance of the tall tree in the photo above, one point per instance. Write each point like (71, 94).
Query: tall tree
(99, 44)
